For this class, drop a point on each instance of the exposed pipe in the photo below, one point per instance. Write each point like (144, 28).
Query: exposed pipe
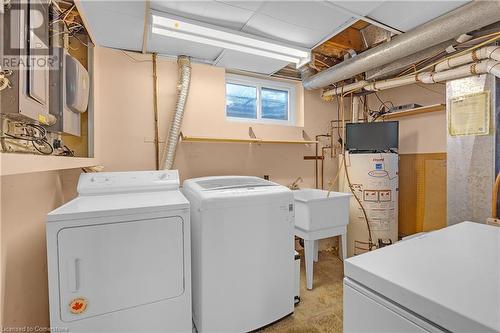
(155, 111)
(343, 89)
(306, 71)
(175, 126)
(317, 156)
(469, 17)
(483, 67)
(494, 213)
(395, 67)
(488, 52)
(355, 109)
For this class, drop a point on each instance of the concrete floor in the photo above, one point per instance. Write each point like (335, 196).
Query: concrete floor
(320, 309)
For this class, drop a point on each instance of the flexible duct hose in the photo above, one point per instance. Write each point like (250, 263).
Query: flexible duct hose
(168, 154)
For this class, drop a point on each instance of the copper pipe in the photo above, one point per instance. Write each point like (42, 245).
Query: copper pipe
(155, 109)
(494, 197)
(316, 164)
(317, 156)
(323, 165)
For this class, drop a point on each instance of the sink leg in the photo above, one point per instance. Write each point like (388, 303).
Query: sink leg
(343, 240)
(316, 246)
(309, 254)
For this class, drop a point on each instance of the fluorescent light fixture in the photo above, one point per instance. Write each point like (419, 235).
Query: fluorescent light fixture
(203, 34)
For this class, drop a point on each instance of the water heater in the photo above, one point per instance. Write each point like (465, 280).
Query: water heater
(374, 181)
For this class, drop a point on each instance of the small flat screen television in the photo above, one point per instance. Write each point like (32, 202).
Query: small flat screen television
(374, 136)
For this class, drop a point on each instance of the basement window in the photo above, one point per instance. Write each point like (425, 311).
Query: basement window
(260, 100)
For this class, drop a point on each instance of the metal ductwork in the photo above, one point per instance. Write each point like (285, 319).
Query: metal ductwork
(306, 72)
(395, 67)
(175, 126)
(462, 20)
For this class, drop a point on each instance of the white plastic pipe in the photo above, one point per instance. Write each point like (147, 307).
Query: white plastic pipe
(483, 67)
(355, 109)
(469, 17)
(344, 89)
(488, 52)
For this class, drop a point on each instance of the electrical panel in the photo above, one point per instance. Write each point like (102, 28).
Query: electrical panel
(45, 54)
(25, 51)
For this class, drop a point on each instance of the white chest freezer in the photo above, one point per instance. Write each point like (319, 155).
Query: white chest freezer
(443, 281)
(119, 255)
(243, 252)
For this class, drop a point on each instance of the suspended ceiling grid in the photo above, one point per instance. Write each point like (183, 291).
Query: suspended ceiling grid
(120, 24)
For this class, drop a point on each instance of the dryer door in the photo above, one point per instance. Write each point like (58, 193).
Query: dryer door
(110, 267)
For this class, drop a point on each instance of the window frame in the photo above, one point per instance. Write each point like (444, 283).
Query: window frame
(260, 83)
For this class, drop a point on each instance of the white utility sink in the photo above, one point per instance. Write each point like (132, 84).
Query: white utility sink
(317, 216)
(315, 210)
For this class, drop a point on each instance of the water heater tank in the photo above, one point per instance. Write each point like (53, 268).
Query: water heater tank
(374, 180)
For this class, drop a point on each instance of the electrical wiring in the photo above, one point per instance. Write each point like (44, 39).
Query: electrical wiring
(381, 110)
(495, 35)
(332, 182)
(33, 133)
(351, 187)
(71, 27)
(134, 59)
(365, 215)
(41, 144)
(341, 112)
(432, 90)
(4, 80)
(491, 40)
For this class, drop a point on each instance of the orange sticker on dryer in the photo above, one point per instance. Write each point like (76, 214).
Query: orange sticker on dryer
(78, 305)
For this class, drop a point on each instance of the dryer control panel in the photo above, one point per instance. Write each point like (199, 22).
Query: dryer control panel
(127, 182)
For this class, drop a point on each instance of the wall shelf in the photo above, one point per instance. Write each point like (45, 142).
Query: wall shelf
(412, 112)
(16, 163)
(185, 138)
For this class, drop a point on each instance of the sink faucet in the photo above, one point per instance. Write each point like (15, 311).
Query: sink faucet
(295, 184)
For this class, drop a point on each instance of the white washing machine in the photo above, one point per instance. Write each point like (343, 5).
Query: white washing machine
(443, 281)
(119, 255)
(243, 252)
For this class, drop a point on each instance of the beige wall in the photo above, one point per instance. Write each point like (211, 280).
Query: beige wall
(25, 201)
(125, 134)
(126, 104)
(425, 133)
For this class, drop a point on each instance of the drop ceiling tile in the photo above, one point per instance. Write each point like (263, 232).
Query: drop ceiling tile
(361, 8)
(250, 5)
(266, 26)
(251, 63)
(406, 15)
(307, 14)
(175, 47)
(118, 26)
(212, 12)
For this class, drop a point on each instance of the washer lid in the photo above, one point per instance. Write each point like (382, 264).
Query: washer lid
(221, 183)
(118, 204)
(451, 276)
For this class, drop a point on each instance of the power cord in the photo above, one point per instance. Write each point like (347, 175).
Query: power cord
(4, 81)
(33, 133)
(370, 241)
